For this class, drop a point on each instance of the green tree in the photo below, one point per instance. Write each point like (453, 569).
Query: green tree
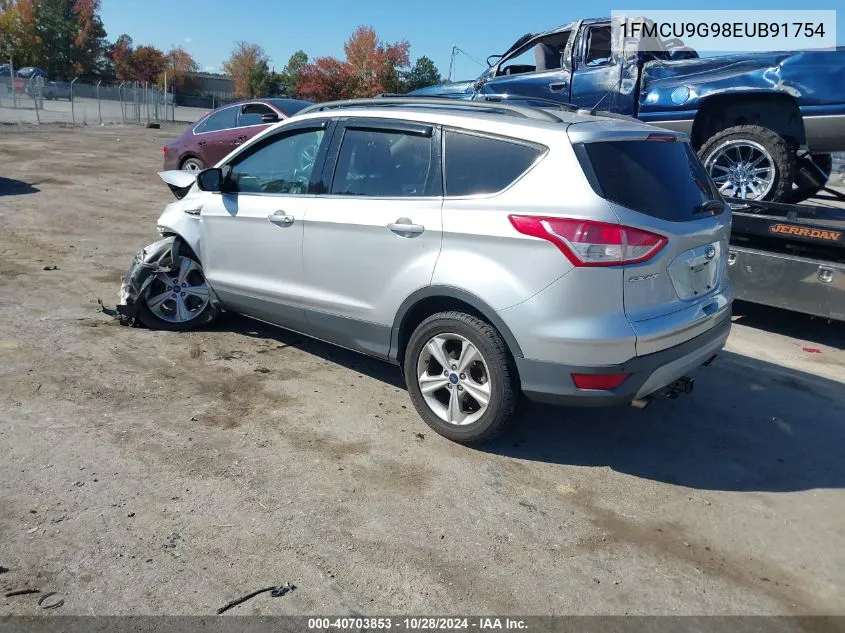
(423, 73)
(261, 82)
(56, 27)
(71, 37)
(291, 77)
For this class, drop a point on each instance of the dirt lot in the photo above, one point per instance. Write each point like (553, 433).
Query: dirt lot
(150, 472)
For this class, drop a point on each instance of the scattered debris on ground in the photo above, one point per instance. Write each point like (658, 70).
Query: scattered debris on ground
(276, 592)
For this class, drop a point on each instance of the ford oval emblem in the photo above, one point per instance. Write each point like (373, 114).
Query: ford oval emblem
(710, 253)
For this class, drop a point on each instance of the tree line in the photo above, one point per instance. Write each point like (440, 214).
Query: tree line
(67, 39)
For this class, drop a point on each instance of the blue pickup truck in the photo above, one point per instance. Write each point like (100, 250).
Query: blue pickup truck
(764, 124)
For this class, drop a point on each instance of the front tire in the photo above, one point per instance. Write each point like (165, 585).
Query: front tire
(461, 377)
(180, 300)
(750, 162)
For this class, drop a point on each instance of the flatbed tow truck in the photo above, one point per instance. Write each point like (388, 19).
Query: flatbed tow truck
(789, 256)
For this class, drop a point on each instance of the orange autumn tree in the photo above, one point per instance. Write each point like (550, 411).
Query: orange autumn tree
(180, 68)
(19, 40)
(371, 67)
(242, 66)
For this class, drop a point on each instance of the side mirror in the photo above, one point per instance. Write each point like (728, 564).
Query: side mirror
(270, 117)
(210, 180)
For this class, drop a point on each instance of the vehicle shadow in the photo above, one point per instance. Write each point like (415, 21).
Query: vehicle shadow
(374, 368)
(787, 323)
(749, 425)
(12, 187)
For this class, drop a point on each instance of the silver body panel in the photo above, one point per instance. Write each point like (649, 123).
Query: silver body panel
(338, 273)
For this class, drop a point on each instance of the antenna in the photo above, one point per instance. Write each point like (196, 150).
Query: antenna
(455, 51)
(452, 61)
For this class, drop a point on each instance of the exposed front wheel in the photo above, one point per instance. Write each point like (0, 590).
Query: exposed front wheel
(749, 162)
(461, 377)
(178, 300)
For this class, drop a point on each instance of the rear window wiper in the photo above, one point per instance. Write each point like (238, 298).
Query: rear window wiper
(711, 206)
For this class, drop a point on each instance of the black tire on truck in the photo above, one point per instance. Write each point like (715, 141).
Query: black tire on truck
(748, 158)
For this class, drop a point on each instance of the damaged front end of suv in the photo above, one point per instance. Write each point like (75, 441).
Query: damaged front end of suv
(161, 263)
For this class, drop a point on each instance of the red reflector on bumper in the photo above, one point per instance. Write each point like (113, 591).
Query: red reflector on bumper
(599, 381)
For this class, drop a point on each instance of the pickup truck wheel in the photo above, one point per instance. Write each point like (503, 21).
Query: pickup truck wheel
(749, 162)
(461, 377)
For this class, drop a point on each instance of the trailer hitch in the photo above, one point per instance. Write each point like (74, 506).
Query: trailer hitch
(681, 386)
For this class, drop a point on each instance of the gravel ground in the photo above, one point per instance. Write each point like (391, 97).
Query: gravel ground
(159, 473)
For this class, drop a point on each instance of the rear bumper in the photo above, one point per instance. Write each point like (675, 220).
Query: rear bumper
(171, 159)
(552, 382)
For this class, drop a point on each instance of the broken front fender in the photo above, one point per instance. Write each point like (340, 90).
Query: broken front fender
(160, 257)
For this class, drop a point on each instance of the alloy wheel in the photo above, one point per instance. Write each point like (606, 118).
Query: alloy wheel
(181, 296)
(191, 165)
(742, 169)
(454, 379)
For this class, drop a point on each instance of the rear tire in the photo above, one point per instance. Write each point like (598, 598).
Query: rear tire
(480, 367)
(742, 146)
(192, 164)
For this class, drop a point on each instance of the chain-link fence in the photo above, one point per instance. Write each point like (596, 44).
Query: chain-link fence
(37, 99)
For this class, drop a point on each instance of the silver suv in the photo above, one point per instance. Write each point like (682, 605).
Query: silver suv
(486, 249)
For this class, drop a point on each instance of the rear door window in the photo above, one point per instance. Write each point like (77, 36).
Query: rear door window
(662, 179)
(385, 163)
(220, 120)
(477, 164)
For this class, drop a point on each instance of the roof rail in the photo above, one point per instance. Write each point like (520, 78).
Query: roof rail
(393, 100)
(543, 102)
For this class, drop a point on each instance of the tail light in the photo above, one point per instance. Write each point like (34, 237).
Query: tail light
(164, 148)
(599, 381)
(588, 243)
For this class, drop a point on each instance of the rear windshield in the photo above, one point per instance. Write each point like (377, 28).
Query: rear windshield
(663, 179)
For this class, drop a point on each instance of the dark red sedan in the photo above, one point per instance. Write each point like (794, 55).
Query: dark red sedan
(222, 130)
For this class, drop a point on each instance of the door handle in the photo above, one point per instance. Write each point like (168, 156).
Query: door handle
(281, 218)
(405, 228)
(201, 143)
(558, 87)
(243, 137)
